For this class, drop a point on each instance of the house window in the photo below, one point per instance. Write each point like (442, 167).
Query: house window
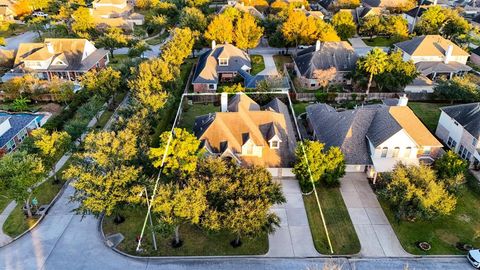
(223, 61)
(463, 152)
(211, 86)
(384, 152)
(396, 151)
(408, 152)
(312, 85)
(250, 150)
(10, 146)
(274, 144)
(475, 142)
(451, 142)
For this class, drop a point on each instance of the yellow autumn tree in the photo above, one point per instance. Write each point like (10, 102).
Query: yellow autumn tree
(247, 33)
(220, 29)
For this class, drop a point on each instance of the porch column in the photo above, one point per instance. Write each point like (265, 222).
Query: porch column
(375, 177)
(451, 75)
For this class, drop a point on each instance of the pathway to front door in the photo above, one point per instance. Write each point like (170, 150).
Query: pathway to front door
(375, 233)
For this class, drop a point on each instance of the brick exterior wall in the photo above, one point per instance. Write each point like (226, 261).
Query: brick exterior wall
(202, 88)
(475, 59)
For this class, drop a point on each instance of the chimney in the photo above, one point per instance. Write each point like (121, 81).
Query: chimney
(214, 44)
(224, 102)
(317, 46)
(403, 100)
(448, 54)
(303, 7)
(49, 47)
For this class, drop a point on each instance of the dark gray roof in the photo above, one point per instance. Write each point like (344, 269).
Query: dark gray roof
(382, 127)
(476, 51)
(17, 123)
(390, 101)
(339, 55)
(346, 129)
(431, 67)
(208, 68)
(413, 12)
(467, 115)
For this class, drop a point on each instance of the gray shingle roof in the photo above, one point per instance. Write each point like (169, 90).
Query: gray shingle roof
(339, 55)
(346, 130)
(467, 115)
(430, 67)
(17, 122)
(382, 127)
(208, 68)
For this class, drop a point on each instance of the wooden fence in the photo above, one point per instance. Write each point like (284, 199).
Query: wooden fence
(338, 97)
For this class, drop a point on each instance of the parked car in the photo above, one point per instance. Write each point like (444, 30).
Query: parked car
(303, 47)
(473, 257)
(40, 14)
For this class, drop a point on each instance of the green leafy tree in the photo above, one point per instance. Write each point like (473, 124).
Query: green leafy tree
(177, 204)
(415, 192)
(457, 89)
(138, 49)
(156, 22)
(373, 63)
(324, 165)
(455, 27)
(105, 177)
(37, 24)
(20, 104)
(105, 83)
(50, 146)
(344, 24)
(61, 90)
(397, 73)
(451, 169)
(20, 86)
(247, 33)
(372, 25)
(112, 39)
(220, 29)
(193, 18)
(197, 3)
(19, 172)
(182, 155)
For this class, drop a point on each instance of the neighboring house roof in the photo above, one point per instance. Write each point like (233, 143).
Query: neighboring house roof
(110, 11)
(467, 115)
(17, 123)
(244, 121)
(432, 67)
(208, 66)
(430, 45)
(349, 129)
(476, 51)
(339, 55)
(110, 2)
(416, 12)
(244, 8)
(114, 22)
(385, 3)
(69, 51)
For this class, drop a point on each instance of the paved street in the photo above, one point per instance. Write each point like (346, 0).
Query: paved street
(375, 233)
(293, 238)
(13, 42)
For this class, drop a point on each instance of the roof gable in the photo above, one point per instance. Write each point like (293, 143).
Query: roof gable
(467, 115)
(429, 45)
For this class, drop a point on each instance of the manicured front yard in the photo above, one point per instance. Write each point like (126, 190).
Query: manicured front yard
(443, 233)
(380, 41)
(257, 64)
(190, 112)
(429, 113)
(196, 242)
(300, 108)
(342, 233)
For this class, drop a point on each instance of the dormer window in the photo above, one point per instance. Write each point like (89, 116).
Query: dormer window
(274, 144)
(223, 62)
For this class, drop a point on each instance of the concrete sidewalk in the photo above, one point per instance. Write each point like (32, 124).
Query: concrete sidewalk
(375, 233)
(4, 238)
(293, 238)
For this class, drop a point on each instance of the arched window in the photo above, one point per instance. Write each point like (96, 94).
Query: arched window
(384, 152)
(408, 152)
(396, 151)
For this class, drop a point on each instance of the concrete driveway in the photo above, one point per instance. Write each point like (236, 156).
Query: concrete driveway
(293, 238)
(270, 67)
(375, 233)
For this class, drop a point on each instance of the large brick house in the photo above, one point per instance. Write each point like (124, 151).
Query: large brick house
(66, 58)
(221, 63)
(327, 62)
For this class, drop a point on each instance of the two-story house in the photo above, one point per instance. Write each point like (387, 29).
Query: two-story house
(327, 62)
(14, 128)
(221, 63)
(434, 55)
(65, 58)
(248, 133)
(115, 13)
(374, 138)
(7, 12)
(459, 128)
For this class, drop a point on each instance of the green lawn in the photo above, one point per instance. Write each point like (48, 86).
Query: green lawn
(190, 112)
(300, 108)
(17, 222)
(102, 121)
(280, 60)
(428, 113)
(4, 201)
(196, 242)
(342, 233)
(118, 61)
(257, 64)
(380, 41)
(442, 233)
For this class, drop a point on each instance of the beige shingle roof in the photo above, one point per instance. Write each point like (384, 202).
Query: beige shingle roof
(430, 45)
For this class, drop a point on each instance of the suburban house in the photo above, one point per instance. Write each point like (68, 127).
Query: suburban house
(248, 133)
(115, 13)
(421, 84)
(434, 55)
(374, 138)
(65, 58)
(459, 128)
(14, 128)
(221, 63)
(327, 62)
(242, 7)
(7, 12)
(311, 13)
(412, 15)
(388, 4)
